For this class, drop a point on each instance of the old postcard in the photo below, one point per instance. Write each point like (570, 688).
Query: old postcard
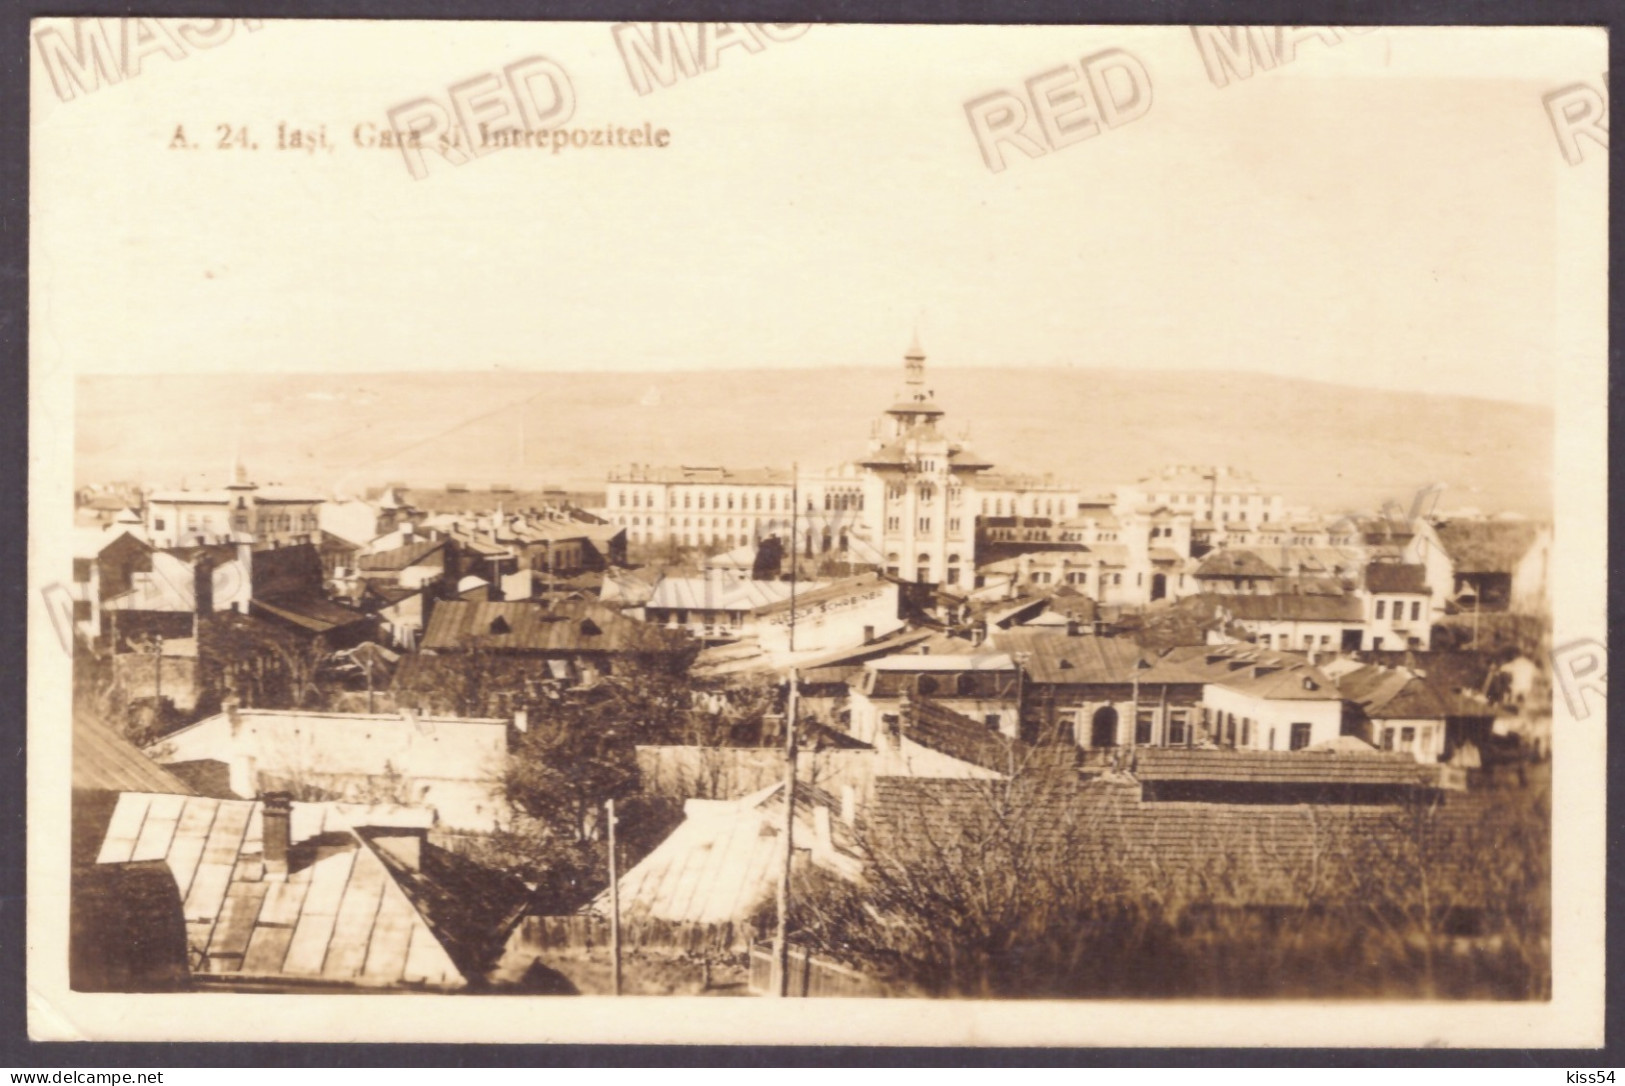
(1068, 535)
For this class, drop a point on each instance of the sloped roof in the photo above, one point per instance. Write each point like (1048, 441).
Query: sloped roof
(1259, 672)
(1286, 607)
(1276, 767)
(958, 736)
(716, 594)
(105, 761)
(310, 612)
(897, 454)
(1235, 563)
(531, 626)
(1400, 694)
(1396, 577)
(1057, 657)
(1487, 546)
(1233, 854)
(340, 915)
(402, 557)
(810, 596)
(723, 861)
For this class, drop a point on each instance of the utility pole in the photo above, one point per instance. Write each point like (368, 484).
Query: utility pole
(781, 935)
(614, 906)
(158, 669)
(795, 544)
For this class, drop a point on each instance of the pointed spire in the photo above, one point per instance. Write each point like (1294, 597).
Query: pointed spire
(239, 474)
(914, 365)
(914, 348)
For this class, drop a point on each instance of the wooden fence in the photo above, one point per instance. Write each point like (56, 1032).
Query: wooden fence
(542, 933)
(812, 976)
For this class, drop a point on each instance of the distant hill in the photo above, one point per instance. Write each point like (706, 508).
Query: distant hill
(1327, 445)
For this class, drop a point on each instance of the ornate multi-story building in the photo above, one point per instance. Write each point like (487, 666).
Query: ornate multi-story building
(920, 487)
(906, 506)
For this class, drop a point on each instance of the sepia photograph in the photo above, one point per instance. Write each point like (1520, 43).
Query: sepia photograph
(1066, 535)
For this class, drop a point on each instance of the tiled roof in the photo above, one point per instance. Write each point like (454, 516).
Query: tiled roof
(1225, 853)
(1284, 607)
(1275, 767)
(1246, 668)
(341, 915)
(399, 558)
(105, 761)
(1235, 563)
(528, 626)
(1395, 577)
(1056, 657)
(1400, 694)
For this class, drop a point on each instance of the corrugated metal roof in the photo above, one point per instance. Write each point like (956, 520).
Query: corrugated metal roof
(105, 761)
(723, 861)
(717, 594)
(530, 626)
(985, 661)
(402, 557)
(338, 916)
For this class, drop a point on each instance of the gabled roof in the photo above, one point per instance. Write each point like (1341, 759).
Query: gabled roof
(1235, 563)
(1396, 577)
(1401, 694)
(723, 861)
(341, 915)
(532, 626)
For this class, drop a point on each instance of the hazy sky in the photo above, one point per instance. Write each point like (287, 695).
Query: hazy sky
(1377, 212)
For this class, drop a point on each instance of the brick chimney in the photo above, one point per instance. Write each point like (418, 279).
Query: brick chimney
(276, 833)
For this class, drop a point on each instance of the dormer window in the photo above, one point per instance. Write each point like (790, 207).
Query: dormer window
(499, 625)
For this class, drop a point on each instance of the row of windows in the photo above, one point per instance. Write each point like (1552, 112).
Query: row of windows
(1047, 508)
(719, 500)
(1399, 610)
(1225, 731)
